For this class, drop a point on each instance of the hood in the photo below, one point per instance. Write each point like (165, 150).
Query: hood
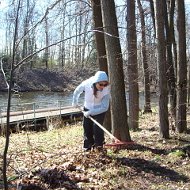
(100, 76)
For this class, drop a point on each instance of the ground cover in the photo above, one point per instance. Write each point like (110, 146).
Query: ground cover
(55, 160)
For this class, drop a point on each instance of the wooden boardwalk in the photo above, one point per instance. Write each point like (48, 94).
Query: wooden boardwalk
(38, 114)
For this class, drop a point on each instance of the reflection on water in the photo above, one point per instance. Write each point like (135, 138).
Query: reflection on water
(37, 99)
(49, 99)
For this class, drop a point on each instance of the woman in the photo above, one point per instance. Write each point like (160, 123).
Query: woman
(96, 103)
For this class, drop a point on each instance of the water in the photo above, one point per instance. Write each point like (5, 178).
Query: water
(31, 100)
(27, 100)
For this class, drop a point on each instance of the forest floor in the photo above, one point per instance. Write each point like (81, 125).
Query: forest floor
(55, 160)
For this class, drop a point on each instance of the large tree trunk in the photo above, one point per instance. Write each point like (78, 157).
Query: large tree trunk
(99, 35)
(182, 70)
(115, 68)
(101, 49)
(147, 106)
(132, 66)
(161, 48)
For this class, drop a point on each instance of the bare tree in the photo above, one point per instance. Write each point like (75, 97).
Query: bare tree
(99, 35)
(170, 64)
(46, 53)
(147, 106)
(181, 115)
(62, 49)
(153, 14)
(100, 48)
(132, 66)
(7, 133)
(172, 34)
(115, 68)
(161, 50)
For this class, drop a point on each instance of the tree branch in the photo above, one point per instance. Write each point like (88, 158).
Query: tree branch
(4, 75)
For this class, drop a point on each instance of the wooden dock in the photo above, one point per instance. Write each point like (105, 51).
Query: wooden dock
(38, 114)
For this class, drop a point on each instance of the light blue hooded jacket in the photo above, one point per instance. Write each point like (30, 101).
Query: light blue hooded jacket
(95, 105)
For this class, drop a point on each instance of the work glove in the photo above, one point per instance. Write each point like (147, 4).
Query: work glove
(86, 114)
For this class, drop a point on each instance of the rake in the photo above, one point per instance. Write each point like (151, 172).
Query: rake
(116, 142)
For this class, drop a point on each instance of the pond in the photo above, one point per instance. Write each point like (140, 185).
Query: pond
(49, 99)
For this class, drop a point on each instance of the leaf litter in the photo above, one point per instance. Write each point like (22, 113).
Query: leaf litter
(54, 159)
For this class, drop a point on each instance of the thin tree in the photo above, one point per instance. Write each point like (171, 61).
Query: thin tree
(62, 48)
(153, 14)
(181, 115)
(172, 33)
(115, 68)
(7, 132)
(170, 65)
(147, 106)
(132, 66)
(13, 67)
(46, 53)
(161, 61)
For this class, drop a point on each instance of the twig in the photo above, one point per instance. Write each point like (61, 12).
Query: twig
(4, 75)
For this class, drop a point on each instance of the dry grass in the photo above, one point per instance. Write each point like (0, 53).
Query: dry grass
(55, 160)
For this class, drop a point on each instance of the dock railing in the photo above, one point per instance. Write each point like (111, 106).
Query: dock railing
(32, 108)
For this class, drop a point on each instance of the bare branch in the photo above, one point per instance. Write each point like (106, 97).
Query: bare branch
(4, 75)
(53, 44)
(40, 21)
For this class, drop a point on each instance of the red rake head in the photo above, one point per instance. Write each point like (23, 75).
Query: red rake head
(119, 144)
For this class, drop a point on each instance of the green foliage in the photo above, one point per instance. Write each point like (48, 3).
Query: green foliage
(177, 153)
(157, 158)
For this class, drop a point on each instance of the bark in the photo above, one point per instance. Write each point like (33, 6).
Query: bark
(101, 49)
(172, 34)
(161, 50)
(181, 115)
(46, 55)
(170, 66)
(99, 35)
(132, 67)
(115, 68)
(7, 132)
(153, 14)
(147, 106)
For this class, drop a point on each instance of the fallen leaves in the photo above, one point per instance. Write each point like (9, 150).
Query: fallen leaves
(52, 163)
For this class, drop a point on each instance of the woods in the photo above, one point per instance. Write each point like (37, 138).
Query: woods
(142, 45)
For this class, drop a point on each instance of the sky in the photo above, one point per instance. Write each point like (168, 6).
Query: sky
(4, 6)
(3, 3)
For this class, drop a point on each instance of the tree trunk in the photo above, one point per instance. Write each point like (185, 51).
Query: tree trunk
(170, 67)
(172, 35)
(101, 49)
(153, 14)
(147, 106)
(161, 49)
(47, 43)
(99, 35)
(132, 66)
(181, 114)
(9, 99)
(116, 75)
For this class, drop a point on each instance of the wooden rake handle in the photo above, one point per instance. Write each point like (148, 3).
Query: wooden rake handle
(101, 126)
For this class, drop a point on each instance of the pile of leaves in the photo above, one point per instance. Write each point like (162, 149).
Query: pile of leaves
(55, 160)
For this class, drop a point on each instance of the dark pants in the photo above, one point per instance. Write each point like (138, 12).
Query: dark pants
(93, 135)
